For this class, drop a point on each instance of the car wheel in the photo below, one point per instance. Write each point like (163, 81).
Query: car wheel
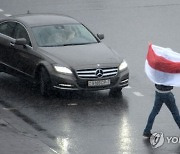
(116, 91)
(45, 82)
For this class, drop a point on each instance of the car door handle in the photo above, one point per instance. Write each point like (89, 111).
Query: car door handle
(12, 44)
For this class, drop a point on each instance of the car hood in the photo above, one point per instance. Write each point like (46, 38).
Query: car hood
(82, 55)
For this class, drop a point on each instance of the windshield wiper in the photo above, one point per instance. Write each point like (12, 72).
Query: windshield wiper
(52, 45)
(69, 44)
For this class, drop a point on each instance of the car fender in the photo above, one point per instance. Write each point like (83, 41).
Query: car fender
(41, 64)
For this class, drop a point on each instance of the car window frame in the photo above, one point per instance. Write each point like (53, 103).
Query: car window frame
(14, 29)
(17, 22)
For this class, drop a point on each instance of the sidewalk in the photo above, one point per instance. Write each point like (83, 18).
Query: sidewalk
(17, 137)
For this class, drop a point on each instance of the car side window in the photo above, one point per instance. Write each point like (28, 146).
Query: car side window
(7, 28)
(21, 32)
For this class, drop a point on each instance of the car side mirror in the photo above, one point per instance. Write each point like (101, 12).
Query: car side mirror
(100, 36)
(20, 41)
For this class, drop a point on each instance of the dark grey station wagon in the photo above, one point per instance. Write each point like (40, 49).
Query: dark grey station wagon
(58, 52)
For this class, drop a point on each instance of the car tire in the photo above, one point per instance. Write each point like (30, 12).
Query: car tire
(44, 82)
(116, 91)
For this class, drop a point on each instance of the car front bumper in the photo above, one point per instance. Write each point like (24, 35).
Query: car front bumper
(73, 82)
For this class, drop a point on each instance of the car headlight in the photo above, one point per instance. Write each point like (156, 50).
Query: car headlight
(62, 69)
(123, 65)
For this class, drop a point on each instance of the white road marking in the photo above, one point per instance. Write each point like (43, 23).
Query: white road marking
(7, 15)
(138, 94)
(72, 104)
(9, 109)
(54, 151)
(1, 10)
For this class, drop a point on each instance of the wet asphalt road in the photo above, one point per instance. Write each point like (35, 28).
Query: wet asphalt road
(94, 122)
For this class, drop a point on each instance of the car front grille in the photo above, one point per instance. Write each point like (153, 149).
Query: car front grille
(97, 73)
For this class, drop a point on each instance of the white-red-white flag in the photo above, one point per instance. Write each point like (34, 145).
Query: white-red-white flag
(162, 66)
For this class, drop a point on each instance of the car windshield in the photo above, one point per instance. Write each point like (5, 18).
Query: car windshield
(63, 35)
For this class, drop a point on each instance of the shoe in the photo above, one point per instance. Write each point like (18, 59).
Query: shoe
(147, 134)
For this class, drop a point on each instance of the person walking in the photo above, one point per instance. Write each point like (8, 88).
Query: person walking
(163, 95)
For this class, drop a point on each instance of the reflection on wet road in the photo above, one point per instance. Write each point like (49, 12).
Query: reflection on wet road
(79, 122)
(70, 118)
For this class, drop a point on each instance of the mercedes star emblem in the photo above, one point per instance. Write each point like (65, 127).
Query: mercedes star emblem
(99, 73)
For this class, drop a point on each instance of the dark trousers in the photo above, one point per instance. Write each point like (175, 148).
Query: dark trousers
(160, 98)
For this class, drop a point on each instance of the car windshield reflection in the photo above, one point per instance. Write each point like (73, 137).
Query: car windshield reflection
(63, 35)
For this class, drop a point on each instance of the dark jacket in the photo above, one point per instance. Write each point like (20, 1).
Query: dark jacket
(163, 88)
